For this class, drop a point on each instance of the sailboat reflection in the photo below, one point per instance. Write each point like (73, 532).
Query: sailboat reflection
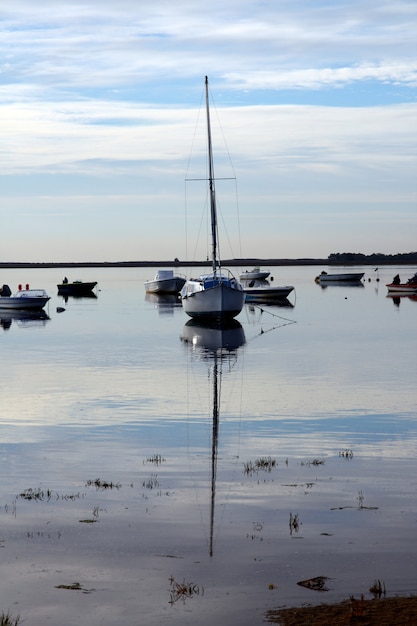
(214, 343)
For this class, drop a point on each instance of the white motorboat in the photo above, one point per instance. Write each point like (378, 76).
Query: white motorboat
(165, 281)
(262, 291)
(217, 295)
(254, 274)
(23, 299)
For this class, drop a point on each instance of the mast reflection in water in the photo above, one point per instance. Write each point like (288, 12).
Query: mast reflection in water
(214, 343)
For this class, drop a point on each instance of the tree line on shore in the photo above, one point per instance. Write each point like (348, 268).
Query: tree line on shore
(335, 258)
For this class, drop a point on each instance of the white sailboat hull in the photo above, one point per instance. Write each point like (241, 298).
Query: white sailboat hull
(219, 302)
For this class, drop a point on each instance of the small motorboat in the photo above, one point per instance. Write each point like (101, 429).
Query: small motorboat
(165, 281)
(397, 286)
(254, 274)
(76, 288)
(23, 299)
(261, 291)
(351, 277)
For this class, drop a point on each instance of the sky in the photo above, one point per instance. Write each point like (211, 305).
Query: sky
(314, 115)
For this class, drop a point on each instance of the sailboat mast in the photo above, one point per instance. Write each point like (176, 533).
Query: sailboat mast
(213, 211)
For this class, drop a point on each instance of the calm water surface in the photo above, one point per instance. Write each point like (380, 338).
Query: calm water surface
(115, 475)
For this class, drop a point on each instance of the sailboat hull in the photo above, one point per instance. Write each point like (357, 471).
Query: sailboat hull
(220, 302)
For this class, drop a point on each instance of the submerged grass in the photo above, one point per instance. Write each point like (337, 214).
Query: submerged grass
(265, 464)
(7, 620)
(102, 484)
(157, 459)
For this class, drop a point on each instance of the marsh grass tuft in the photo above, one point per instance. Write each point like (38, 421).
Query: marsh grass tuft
(346, 454)
(102, 484)
(151, 483)
(7, 620)
(264, 464)
(361, 505)
(378, 589)
(156, 459)
(36, 494)
(294, 523)
(315, 462)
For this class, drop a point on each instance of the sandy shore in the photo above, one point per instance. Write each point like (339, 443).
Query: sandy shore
(378, 612)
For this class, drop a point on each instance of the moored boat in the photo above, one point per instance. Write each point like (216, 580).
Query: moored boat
(165, 281)
(262, 291)
(23, 299)
(254, 274)
(347, 277)
(396, 286)
(217, 295)
(76, 288)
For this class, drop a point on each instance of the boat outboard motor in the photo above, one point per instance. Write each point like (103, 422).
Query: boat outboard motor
(5, 291)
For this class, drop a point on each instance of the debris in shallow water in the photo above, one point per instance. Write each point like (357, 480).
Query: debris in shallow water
(317, 584)
(181, 591)
(73, 586)
(294, 523)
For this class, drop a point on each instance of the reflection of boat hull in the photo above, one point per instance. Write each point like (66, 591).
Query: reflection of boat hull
(210, 338)
(77, 288)
(214, 343)
(163, 299)
(279, 302)
(23, 318)
(353, 277)
(164, 302)
(341, 283)
(165, 282)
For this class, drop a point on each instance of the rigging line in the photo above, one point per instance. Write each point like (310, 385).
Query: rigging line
(226, 147)
(185, 220)
(187, 169)
(234, 177)
(286, 319)
(238, 219)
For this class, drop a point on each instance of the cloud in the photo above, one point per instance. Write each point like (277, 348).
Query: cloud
(99, 102)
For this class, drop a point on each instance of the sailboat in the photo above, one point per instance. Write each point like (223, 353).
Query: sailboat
(217, 295)
(214, 343)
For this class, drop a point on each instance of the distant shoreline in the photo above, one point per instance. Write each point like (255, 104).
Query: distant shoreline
(394, 260)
